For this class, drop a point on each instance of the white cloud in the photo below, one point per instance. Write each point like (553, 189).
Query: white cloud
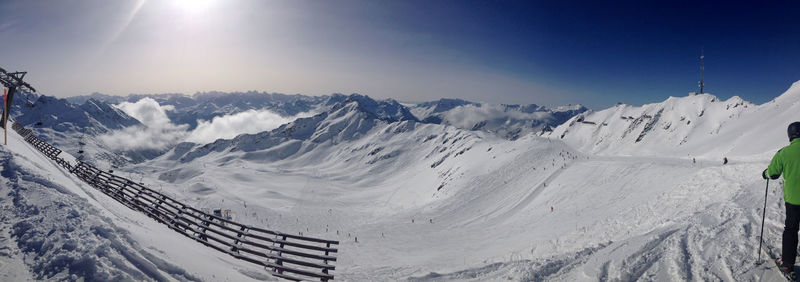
(147, 111)
(158, 131)
(468, 115)
(230, 126)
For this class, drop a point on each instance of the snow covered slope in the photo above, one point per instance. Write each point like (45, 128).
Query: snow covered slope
(92, 117)
(353, 137)
(347, 120)
(55, 227)
(66, 125)
(667, 220)
(615, 199)
(485, 214)
(434, 202)
(700, 125)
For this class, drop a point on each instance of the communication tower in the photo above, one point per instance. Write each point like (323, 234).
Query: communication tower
(702, 56)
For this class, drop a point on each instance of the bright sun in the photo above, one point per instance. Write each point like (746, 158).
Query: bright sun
(193, 6)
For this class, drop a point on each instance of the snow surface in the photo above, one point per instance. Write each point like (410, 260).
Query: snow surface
(55, 227)
(621, 218)
(614, 217)
(616, 198)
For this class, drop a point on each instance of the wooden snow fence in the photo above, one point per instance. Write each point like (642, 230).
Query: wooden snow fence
(287, 256)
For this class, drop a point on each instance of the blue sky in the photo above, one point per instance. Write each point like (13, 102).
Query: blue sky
(595, 53)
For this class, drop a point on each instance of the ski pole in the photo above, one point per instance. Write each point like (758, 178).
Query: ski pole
(763, 215)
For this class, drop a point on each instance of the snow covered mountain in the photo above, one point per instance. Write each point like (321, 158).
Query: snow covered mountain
(608, 195)
(700, 125)
(91, 117)
(170, 119)
(529, 209)
(488, 200)
(353, 118)
(508, 121)
(69, 125)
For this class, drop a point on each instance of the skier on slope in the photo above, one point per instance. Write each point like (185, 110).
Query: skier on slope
(787, 162)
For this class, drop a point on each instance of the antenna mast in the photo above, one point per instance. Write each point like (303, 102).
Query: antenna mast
(701, 69)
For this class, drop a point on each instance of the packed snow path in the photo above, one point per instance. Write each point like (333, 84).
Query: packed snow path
(287, 255)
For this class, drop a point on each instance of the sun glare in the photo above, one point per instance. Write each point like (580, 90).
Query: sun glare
(193, 6)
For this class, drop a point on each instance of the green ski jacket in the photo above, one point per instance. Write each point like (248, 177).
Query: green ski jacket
(787, 162)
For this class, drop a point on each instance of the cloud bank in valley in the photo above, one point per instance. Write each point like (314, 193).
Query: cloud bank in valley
(159, 132)
(229, 126)
(469, 115)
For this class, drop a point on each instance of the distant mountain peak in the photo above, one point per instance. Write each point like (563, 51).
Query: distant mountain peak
(387, 110)
(676, 126)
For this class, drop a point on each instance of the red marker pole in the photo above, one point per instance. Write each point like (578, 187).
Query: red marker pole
(5, 113)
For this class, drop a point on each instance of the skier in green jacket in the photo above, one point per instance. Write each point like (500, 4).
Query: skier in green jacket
(787, 162)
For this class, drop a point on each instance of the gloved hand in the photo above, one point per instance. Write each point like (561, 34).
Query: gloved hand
(764, 174)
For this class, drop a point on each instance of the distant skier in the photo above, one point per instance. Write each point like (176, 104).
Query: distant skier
(724, 160)
(786, 162)
(694, 161)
